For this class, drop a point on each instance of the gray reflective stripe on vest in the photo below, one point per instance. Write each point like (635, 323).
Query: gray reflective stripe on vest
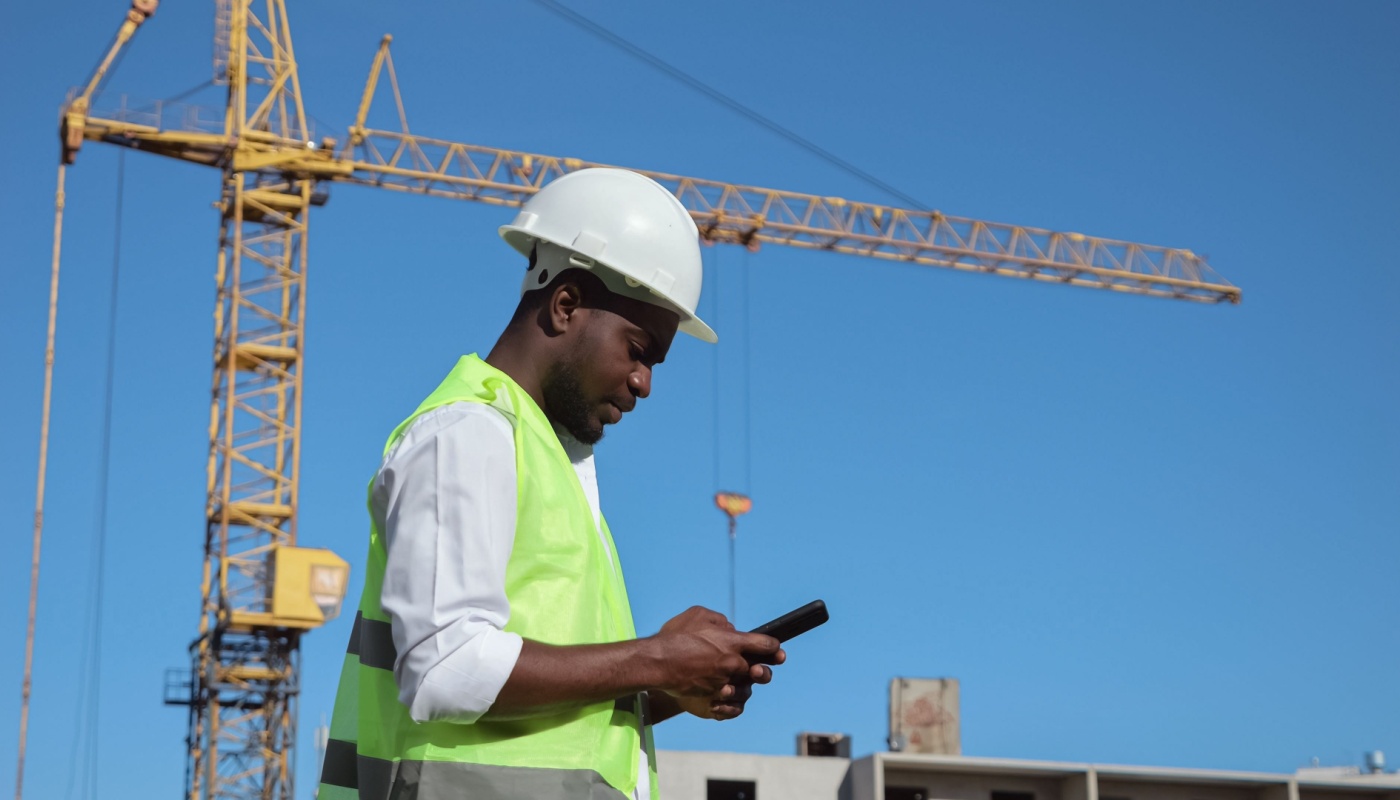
(353, 647)
(373, 642)
(379, 779)
(342, 768)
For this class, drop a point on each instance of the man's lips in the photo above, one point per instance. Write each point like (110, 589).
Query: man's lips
(620, 409)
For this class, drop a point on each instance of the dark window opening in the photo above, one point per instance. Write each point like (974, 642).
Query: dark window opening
(730, 790)
(1000, 795)
(906, 793)
(821, 744)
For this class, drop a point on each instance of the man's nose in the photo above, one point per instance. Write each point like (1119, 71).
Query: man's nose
(640, 382)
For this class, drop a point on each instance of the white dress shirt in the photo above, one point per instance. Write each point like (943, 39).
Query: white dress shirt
(445, 500)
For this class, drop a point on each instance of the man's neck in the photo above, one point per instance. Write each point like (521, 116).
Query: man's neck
(513, 357)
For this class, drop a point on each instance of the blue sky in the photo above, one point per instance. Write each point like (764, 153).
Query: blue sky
(1138, 531)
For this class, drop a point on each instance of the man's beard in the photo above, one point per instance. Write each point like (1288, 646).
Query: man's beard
(566, 405)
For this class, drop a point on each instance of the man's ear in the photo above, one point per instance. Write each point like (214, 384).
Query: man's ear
(564, 302)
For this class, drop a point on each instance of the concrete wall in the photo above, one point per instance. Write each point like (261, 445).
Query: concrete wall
(860, 780)
(1084, 786)
(958, 786)
(1361, 792)
(1160, 789)
(683, 774)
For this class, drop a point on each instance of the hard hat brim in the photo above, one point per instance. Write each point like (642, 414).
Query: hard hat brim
(697, 328)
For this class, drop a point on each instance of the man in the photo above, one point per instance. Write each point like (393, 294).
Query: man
(494, 654)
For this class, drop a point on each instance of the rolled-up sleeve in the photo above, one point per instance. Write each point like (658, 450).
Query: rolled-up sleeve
(445, 499)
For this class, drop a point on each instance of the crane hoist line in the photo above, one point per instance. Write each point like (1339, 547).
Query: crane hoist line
(260, 591)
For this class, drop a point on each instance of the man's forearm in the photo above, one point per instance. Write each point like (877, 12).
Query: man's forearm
(697, 656)
(548, 679)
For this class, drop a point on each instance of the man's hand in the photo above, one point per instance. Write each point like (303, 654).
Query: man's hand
(729, 701)
(697, 655)
(710, 668)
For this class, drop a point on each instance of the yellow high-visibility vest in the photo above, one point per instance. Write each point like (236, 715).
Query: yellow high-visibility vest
(563, 588)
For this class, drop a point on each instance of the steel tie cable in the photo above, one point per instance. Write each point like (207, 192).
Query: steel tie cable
(606, 35)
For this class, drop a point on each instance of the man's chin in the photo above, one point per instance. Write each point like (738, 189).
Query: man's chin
(590, 435)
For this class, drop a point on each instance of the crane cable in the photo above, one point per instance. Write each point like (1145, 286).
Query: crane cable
(716, 379)
(714, 362)
(90, 689)
(94, 673)
(745, 338)
(748, 380)
(46, 409)
(599, 32)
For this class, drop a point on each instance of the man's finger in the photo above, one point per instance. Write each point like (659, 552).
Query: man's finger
(760, 673)
(760, 647)
(769, 658)
(725, 711)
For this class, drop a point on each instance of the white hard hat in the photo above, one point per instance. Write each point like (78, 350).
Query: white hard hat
(625, 223)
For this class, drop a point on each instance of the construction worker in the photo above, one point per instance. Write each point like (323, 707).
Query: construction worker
(494, 654)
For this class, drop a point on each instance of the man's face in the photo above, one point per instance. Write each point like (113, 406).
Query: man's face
(608, 367)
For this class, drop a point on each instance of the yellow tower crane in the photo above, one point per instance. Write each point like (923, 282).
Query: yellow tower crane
(260, 591)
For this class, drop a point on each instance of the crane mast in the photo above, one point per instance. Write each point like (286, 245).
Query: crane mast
(242, 684)
(243, 681)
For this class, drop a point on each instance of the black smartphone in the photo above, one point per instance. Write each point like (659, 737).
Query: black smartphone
(795, 622)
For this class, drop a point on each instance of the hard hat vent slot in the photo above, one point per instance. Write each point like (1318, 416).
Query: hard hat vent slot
(662, 281)
(589, 244)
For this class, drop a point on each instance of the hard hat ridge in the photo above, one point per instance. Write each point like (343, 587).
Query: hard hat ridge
(626, 228)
